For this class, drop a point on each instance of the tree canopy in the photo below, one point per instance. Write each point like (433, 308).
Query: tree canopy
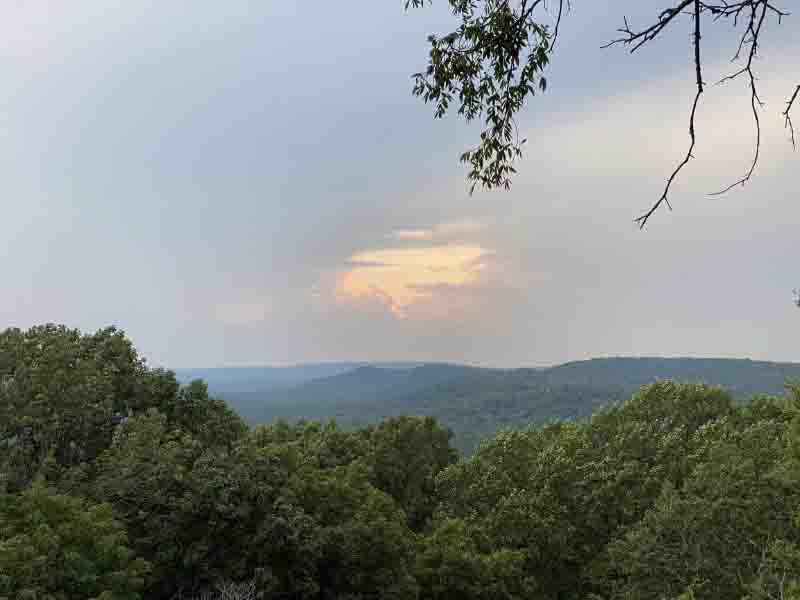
(58, 547)
(678, 492)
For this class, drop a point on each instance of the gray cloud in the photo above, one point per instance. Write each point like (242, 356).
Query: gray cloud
(200, 174)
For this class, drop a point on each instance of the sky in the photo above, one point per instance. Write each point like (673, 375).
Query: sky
(250, 183)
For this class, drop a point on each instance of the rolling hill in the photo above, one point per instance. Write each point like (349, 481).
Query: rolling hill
(473, 402)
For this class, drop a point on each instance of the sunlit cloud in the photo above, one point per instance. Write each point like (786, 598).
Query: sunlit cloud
(440, 232)
(399, 278)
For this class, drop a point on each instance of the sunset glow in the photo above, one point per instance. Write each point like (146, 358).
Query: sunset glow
(399, 277)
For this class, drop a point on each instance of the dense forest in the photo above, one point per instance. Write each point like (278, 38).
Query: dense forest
(475, 403)
(119, 482)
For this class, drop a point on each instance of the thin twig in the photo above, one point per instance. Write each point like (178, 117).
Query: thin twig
(642, 221)
(557, 26)
(638, 39)
(755, 101)
(753, 13)
(787, 114)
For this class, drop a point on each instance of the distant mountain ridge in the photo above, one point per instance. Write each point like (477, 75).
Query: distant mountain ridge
(264, 377)
(222, 379)
(473, 401)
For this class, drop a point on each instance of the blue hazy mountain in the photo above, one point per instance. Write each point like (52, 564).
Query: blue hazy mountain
(226, 381)
(473, 402)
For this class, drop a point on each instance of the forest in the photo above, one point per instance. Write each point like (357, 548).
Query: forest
(475, 403)
(117, 482)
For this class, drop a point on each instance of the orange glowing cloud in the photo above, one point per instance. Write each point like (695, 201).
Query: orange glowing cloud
(401, 277)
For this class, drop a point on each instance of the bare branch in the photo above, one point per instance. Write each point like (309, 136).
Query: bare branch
(638, 39)
(642, 221)
(754, 26)
(787, 114)
(752, 13)
(557, 26)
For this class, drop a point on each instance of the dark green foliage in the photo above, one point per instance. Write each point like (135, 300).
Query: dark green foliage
(450, 565)
(208, 419)
(734, 499)
(146, 488)
(59, 393)
(362, 538)
(55, 547)
(62, 393)
(586, 502)
(405, 455)
(147, 476)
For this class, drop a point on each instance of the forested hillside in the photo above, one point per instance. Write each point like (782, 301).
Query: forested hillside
(118, 483)
(259, 380)
(476, 403)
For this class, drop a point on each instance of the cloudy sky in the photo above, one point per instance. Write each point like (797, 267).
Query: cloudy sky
(250, 182)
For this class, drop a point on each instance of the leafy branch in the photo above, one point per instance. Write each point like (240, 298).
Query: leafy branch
(494, 61)
(489, 66)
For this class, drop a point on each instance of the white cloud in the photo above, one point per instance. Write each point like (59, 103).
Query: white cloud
(441, 232)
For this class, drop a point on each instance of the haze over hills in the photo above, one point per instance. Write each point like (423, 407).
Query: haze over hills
(474, 402)
(222, 380)
(225, 379)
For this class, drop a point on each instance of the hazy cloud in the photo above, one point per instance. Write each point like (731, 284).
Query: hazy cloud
(441, 232)
(250, 183)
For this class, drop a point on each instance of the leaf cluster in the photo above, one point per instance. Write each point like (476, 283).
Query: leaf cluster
(488, 67)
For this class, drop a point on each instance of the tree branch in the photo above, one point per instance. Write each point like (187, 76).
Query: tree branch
(755, 102)
(642, 221)
(640, 38)
(756, 12)
(787, 114)
(495, 60)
